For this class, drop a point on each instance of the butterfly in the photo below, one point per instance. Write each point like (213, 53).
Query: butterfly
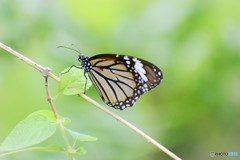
(120, 80)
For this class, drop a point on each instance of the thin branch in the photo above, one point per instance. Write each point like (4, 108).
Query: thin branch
(28, 61)
(49, 98)
(129, 125)
(43, 70)
(59, 121)
(23, 58)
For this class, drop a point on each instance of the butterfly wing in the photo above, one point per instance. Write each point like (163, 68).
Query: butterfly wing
(120, 80)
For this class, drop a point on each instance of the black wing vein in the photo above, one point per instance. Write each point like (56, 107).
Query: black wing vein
(100, 74)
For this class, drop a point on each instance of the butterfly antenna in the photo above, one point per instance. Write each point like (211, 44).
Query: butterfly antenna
(76, 50)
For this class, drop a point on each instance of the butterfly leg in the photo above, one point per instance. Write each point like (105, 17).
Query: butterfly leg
(85, 83)
(71, 68)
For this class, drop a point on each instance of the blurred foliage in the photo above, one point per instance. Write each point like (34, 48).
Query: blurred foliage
(196, 44)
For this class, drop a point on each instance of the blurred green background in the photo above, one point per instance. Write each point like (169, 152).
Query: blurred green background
(196, 43)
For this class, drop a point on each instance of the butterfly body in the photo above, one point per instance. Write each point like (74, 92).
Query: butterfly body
(120, 80)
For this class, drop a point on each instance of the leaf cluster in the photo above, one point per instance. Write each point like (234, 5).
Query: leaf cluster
(41, 125)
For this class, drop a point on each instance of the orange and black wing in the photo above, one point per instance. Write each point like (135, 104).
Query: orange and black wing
(121, 80)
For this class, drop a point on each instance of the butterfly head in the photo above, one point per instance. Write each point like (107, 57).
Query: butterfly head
(85, 64)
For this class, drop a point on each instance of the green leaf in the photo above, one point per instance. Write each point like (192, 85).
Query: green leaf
(65, 120)
(34, 129)
(73, 81)
(81, 151)
(72, 151)
(80, 136)
(52, 148)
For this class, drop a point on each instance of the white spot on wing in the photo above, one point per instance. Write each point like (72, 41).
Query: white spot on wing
(139, 68)
(126, 58)
(135, 60)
